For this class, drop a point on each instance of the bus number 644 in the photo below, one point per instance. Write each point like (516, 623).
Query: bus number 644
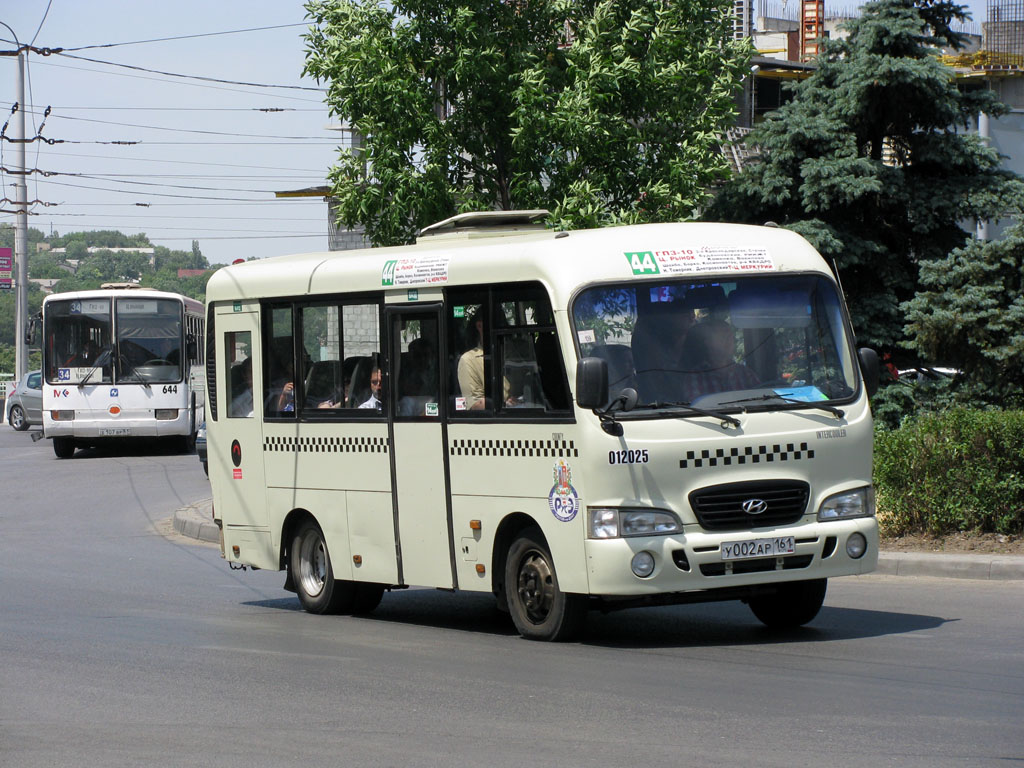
(170, 389)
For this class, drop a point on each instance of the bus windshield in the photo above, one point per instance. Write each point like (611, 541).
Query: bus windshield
(78, 341)
(148, 340)
(141, 343)
(750, 342)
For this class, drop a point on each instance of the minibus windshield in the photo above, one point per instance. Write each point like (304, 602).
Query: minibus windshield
(748, 343)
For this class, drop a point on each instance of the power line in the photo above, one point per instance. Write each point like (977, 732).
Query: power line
(160, 80)
(184, 162)
(189, 130)
(191, 77)
(183, 37)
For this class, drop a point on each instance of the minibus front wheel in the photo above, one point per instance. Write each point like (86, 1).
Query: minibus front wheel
(792, 605)
(540, 610)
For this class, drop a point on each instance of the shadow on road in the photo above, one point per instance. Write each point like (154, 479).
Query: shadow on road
(694, 626)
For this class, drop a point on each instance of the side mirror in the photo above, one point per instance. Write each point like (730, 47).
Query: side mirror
(591, 382)
(869, 369)
(30, 330)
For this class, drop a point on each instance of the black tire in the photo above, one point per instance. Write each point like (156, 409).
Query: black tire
(63, 447)
(539, 609)
(313, 575)
(206, 468)
(367, 596)
(793, 605)
(17, 418)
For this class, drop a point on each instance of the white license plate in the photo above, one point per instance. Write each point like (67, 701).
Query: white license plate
(741, 550)
(123, 432)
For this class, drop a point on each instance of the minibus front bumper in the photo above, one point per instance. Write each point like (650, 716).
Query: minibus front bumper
(700, 560)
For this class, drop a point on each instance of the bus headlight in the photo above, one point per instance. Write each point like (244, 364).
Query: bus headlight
(166, 414)
(849, 504)
(610, 523)
(62, 415)
(642, 564)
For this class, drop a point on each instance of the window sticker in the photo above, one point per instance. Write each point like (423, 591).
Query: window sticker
(685, 261)
(460, 403)
(431, 409)
(586, 337)
(806, 394)
(563, 499)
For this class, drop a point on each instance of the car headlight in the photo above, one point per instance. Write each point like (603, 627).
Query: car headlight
(610, 523)
(849, 504)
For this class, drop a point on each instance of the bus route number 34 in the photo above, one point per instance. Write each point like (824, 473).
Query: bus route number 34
(170, 389)
(628, 457)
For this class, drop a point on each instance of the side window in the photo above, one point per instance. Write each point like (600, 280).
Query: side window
(415, 375)
(279, 374)
(504, 353)
(469, 358)
(529, 356)
(35, 381)
(341, 368)
(238, 373)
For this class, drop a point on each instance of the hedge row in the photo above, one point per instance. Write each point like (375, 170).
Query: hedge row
(960, 470)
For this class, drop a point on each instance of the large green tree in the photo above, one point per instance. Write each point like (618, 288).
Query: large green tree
(970, 313)
(870, 161)
(602, 111)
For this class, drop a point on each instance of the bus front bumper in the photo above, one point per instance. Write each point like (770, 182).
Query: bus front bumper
(698, 561)
(95, 424)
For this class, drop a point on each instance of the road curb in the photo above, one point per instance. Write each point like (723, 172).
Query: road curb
(196, 521)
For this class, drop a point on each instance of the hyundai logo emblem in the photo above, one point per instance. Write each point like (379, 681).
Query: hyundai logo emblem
(755, 506)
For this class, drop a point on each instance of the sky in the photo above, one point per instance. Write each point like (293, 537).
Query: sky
(208, 160)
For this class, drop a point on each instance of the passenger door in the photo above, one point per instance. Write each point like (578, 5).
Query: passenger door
(420, 466)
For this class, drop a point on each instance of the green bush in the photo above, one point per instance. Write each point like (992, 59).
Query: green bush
(961, 470)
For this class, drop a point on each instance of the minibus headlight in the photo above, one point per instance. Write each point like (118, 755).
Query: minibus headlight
(605, 523)
(166, 414)
(843, 506)
(647, 522)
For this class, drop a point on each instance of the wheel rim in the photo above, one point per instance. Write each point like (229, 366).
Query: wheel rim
(312, 564)
(536, 586)
(17, 417)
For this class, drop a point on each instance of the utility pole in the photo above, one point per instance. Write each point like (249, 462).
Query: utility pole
(20, 173)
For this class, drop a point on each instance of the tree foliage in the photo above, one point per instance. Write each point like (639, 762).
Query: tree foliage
(970, 313)
(867, 162)
(476, 105)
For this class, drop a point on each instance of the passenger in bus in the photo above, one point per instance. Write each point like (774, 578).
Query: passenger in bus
(241, 403)
(710, 360)
(374, 401)
(472, 380)
(87, 357)
(658, 343)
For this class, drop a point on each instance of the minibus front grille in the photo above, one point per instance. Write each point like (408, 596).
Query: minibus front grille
(742, 506)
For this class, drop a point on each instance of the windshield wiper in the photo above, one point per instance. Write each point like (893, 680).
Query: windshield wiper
(837, 412)
(726, 419)
(82, 382)
(137, 377)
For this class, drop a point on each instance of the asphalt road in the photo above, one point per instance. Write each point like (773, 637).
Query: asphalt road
(123, 644)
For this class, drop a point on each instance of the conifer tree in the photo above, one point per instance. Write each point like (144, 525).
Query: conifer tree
(871, 163)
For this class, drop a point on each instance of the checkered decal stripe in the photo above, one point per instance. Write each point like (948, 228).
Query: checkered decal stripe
(543, 448)
(748, 455)
(325, 444)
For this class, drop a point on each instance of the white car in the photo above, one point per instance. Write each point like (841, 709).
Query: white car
(25, 403)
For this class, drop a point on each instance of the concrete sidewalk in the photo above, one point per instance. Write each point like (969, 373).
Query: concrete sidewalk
(196, 521)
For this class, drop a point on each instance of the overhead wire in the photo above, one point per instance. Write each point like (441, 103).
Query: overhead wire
(182, 37)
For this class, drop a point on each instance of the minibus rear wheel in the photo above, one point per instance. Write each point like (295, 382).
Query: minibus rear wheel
(313, 575)
(540, 610)
(794, 604)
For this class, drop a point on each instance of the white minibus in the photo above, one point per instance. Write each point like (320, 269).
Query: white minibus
(637, 415)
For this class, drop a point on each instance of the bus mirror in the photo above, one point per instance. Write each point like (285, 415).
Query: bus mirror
(592, 382)
(869, 369)
(30, 329)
